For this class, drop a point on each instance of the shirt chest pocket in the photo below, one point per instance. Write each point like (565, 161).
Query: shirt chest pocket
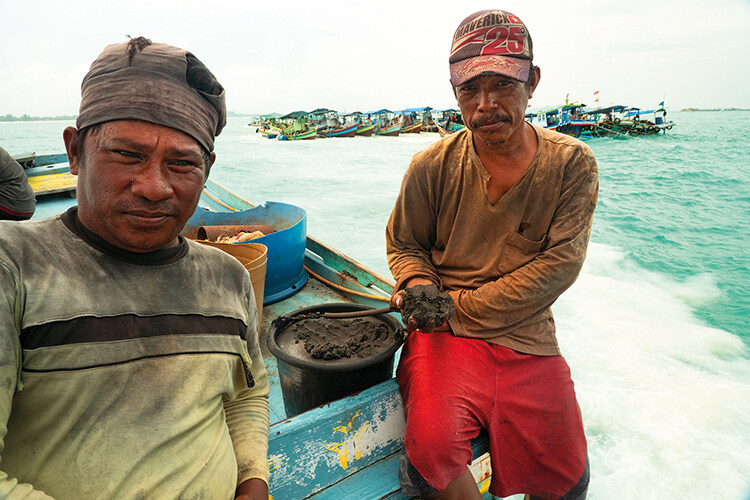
(519, 251)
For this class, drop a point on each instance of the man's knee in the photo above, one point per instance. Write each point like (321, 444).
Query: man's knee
(412, 482)
(579, 491)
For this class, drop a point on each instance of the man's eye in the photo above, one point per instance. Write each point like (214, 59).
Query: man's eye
(184, 166)
(128, 154)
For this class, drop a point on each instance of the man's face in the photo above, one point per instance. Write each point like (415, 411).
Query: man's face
(494, 106)
(138, 182)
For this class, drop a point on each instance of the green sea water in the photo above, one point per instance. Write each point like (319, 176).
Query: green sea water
(679, 204)
(656, 327)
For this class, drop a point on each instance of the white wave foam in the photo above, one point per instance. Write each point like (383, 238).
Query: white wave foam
(665, 398)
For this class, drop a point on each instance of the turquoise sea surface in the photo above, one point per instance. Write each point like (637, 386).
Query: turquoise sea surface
(657, 327)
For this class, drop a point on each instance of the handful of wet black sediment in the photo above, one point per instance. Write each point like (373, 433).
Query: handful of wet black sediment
(427, 303)
(329, 338)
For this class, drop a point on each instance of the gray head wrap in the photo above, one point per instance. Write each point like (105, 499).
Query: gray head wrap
(158, 83)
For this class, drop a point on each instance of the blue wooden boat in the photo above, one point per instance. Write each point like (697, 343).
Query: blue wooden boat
(345, 449)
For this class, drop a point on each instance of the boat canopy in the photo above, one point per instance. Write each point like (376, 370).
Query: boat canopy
(295, 114)
(636, 111)
(415, 110)
(607, 110)
(321, 111)
(556, 109)
(378, 112)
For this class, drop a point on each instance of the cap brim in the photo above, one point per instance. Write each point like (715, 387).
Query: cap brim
(512, 67)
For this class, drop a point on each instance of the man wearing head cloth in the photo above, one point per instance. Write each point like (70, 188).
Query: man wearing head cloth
(129, 357)
(498, 215)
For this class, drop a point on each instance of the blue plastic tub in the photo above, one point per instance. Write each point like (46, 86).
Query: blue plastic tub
(285, 273)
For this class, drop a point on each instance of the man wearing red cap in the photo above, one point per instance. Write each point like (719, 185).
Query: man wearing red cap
(499, 216)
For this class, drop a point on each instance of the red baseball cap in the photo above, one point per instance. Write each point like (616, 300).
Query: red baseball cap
(491, 41)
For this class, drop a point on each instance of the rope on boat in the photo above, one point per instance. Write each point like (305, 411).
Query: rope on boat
(347, 290)
(610, 130)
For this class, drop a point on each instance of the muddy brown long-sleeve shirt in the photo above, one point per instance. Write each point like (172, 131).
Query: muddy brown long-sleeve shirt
(505, 263)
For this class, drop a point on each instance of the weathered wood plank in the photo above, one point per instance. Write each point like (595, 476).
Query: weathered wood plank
(344, 264)
(311, 451)
(53, 183)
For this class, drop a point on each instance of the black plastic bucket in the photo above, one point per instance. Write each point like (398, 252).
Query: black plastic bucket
(307, 383)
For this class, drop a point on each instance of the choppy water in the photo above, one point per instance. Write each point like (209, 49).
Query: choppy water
(656, 327)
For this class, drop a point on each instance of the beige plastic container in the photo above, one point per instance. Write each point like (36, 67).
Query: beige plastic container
(253, 256)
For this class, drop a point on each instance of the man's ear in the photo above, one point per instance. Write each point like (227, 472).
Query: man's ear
(535, 76)
(72, 147)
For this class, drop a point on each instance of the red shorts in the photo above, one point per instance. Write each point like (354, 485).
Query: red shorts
(452, 387)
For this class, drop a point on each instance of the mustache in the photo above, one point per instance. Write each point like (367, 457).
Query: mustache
(493, 118)
(164, 207)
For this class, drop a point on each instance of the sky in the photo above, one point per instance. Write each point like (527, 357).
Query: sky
(362, 56)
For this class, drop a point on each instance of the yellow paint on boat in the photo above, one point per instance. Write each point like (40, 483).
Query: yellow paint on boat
(342, 448)
(53, 183)
(343, 453)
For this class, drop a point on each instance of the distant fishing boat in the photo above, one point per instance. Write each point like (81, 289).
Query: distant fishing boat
(344, 131)
(412, 129)
(298, 136)
(645, 122)
(448, 121)
(568, 119)
(389, 131)
(365, 130)
(415, 119)
(449, 128)
(617, 121)
(269, 131)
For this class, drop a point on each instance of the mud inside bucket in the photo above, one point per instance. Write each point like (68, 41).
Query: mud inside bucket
(360, 354)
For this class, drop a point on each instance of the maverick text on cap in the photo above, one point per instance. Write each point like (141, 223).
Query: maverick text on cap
(490, 41)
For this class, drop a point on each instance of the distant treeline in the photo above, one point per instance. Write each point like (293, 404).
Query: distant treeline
(714, 109)
(27, 118)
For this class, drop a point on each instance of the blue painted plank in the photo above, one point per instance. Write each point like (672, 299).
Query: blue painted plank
(315, 449)
(379, 480)
(344, 264)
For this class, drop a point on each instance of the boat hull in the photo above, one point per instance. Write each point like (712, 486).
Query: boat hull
(366, 130)
(340, 132)
(304, 136)
(412, 129)
(392, 131)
